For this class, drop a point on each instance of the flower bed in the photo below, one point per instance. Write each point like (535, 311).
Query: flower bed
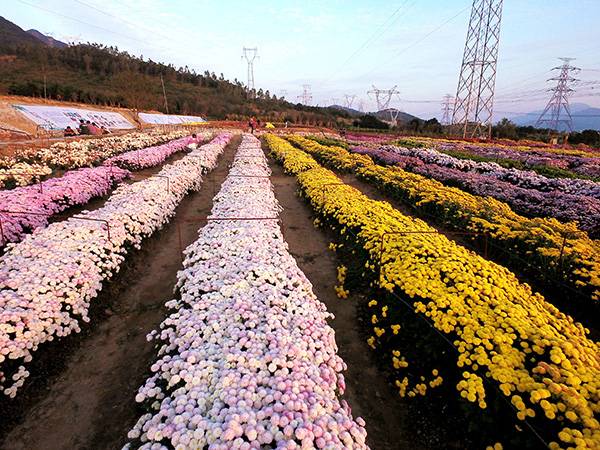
(29, 166)
(49, 278)
(33, 206)
(505, 336)
(152, 156)
(246, 359)
(13, 173)
(522, 178)
(562, 252)
(531, 202)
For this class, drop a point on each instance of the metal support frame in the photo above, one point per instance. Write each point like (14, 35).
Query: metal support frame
(559, 101)
(474, 104)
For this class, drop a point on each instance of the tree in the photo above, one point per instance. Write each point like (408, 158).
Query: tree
(505, 129)
(370, 121)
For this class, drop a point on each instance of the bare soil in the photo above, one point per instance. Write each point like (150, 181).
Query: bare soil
(81, 392)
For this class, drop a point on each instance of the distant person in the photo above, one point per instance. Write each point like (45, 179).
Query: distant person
(83, 128)
(70, 131)
(252, 125)
(94, 130)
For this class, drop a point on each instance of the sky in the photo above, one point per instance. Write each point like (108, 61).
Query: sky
(340, 47)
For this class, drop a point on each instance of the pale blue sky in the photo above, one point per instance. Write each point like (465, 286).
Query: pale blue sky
(338, 46)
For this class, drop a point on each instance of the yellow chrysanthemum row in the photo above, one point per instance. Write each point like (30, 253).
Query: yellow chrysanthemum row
(537, 356)
(543, 242)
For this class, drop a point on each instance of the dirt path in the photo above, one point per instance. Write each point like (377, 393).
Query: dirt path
(369, 393)
(89, 403)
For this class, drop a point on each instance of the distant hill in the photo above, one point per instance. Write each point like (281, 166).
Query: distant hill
(585, 117)
(12, 35)
(403, 117)
(350, 111)
(100, 75)
(381, 115)
(48, 40)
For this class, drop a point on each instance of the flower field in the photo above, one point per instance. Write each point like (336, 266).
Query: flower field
(246, 359)
(509, 342)
(52, 275)
(559, 252)
(525, 192)
(29, 166)
(194, 309)
(27, 208)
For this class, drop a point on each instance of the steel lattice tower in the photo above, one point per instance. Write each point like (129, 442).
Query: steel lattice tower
(383, 98)
(250, 54)
(559, 101)
(349, 100)
(475, 93)
(306, 96)
(447, 105)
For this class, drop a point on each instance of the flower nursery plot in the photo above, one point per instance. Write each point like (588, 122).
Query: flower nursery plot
(247, 358)
(510, 346)
(559, 253)
(50, 278)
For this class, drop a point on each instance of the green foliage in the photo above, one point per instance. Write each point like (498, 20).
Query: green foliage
(96, 74)
(370, 121)
(329, 141)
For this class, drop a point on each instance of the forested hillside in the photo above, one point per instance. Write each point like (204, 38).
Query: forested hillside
(101, 75)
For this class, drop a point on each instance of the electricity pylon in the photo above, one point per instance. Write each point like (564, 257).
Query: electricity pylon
(306, 96)
(250, 54)
(383, 98)
(559, 101)
(447, 105)
(474, 103)
(349, 100)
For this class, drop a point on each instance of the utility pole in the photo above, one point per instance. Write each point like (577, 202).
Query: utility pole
(383, 98)
(164, 93)
(349, 100)
(474, 103)
(447, 106)
(361, 105)
(250, 54)
(306, 96)
(560, 98)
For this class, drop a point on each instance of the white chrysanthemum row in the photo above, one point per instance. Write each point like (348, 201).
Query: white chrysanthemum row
(246, 359)
(48, 280)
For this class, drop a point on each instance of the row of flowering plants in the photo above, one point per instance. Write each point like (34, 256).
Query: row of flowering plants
(153, 156)
(246, 359)
(48, 280)
(511, 352)
(31, 165)
(585, 210)
(558, 253)
(27, 208)
(582, 165)
(521, 178)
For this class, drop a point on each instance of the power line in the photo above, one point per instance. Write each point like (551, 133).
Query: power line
(85, 23)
